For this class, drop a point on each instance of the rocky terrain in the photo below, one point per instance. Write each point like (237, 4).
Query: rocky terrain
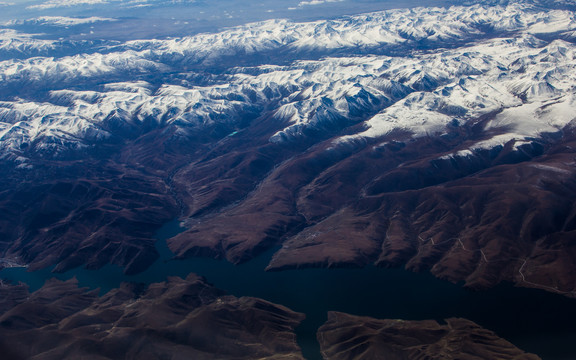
(346, 337)
(435, 139)
(190, 318)
(438, 139)
(179, 318)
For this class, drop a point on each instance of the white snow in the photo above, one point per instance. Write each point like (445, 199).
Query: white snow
(527, 82)
(50, 4)
(60, 21)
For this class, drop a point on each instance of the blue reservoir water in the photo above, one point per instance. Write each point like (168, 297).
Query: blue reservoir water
(534, 320)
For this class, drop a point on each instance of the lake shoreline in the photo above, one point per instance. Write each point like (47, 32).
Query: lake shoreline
(513, 313)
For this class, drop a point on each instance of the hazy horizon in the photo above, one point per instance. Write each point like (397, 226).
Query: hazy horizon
(149, 18)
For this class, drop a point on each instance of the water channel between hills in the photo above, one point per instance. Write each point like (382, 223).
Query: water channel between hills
(535, 321)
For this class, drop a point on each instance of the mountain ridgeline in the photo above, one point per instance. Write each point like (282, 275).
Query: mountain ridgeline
(436, 139)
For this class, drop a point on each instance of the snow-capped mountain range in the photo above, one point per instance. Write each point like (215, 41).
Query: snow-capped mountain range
(417, 70)
(418, 133)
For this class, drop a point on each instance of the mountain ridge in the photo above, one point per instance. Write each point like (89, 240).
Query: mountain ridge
(258, 136)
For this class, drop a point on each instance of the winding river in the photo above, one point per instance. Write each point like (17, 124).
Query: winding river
(535, 321)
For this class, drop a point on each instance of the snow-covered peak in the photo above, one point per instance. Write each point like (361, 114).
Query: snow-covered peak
(371, 31)
(62, 21)
(50, 4)
(531, 88)
(12, 40)
(418, 70)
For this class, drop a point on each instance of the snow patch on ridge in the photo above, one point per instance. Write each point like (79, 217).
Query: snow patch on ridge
(384, 82)
(59, 21)
(532, 88)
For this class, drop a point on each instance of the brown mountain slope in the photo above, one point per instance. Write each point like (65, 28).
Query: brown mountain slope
(174, 319)
(346, 337)
(501, 215)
